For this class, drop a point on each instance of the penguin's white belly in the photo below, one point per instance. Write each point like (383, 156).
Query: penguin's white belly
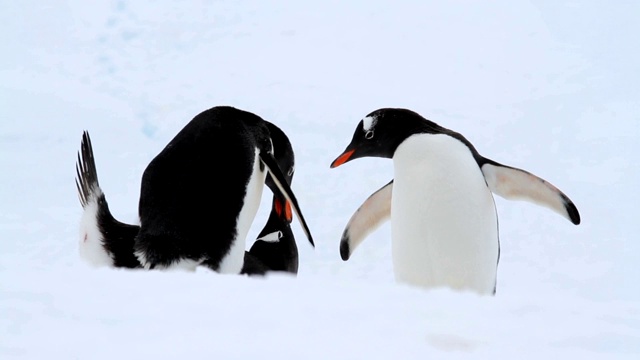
(443, 218)
(233, 261)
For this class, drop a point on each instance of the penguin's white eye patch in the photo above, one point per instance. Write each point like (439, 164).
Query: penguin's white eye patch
(368, 134)
(368, 123)
(272, 237)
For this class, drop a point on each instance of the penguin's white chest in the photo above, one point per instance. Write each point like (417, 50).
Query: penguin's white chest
(233, 261)
(443, 219)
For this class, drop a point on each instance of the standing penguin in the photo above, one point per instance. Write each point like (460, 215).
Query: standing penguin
(443, 219)
(189, 214)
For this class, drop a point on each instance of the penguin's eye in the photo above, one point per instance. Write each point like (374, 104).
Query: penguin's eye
(290, 172)
(368, 135)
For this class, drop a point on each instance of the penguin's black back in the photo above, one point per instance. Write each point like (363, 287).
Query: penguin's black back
(193, 191)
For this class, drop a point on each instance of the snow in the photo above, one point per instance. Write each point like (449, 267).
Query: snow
(549, 87)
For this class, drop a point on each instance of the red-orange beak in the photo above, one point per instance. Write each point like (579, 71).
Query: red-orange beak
(342, 158)
(284, 210)
(287, 211)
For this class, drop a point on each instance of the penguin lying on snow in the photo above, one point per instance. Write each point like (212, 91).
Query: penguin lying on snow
(443, 218)
(275, 248)
(198, 199)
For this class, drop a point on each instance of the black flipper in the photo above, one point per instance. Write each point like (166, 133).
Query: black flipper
(116, 238)
(86, 173)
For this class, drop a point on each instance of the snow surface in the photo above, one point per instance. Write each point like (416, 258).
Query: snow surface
(549, 87)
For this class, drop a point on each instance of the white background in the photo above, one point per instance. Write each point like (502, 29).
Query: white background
(550, 87)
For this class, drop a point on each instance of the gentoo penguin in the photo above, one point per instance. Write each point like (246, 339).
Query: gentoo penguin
(184, 208)
(275, 249)
(105, 241)
(443, 218)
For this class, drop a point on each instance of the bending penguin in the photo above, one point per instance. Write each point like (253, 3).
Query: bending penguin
(275, 249)
(198, 196)
(443, 218)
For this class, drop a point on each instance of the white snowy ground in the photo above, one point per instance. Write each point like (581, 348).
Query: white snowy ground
(551, 87)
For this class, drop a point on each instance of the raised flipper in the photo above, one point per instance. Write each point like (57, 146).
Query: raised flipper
(516, 184)
(369, 216)
(104, 241)
(280, 181)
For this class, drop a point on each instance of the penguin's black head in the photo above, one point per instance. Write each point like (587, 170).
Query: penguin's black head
(276, 246)
(275, 228)
(381, 132)
(283, 153)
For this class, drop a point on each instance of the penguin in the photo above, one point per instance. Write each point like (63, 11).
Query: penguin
(444, 223)
(107, 242)
(275, 248)
(190, 215)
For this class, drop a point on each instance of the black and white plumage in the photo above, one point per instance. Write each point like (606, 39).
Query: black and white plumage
(443, 218)
(193, 206)
(275, 248)
(104, 241)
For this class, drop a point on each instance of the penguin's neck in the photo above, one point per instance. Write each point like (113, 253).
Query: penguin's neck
(437, 157)
(438, 174)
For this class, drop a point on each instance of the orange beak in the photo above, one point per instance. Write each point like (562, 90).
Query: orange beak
(287, 211)
(342, 158)
(284, 211)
